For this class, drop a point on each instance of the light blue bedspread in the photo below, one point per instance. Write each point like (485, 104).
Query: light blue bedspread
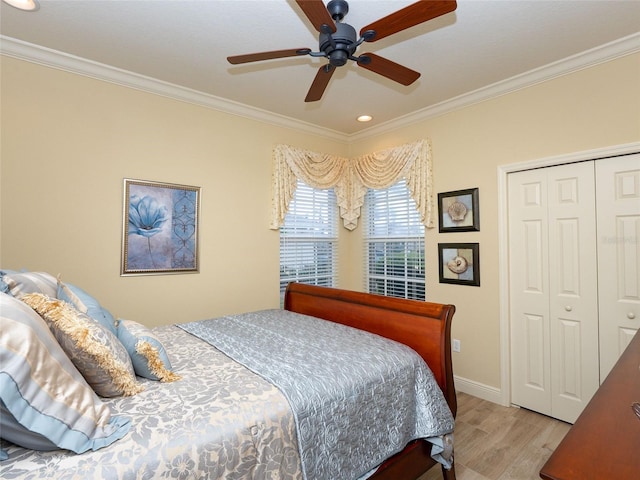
(357, 398)
(220, 422)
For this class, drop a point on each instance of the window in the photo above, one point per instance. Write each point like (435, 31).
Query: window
(394, 243)
(309, 239)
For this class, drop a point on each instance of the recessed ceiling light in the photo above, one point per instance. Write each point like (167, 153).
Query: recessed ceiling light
(364, 118)
(28, 5)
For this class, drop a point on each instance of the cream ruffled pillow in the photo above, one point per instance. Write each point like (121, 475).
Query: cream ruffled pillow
(95, 351)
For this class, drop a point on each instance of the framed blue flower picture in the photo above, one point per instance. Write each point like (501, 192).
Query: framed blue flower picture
(159, 228)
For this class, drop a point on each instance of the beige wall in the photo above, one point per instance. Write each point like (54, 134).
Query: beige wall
(68, 141)
(589, 109)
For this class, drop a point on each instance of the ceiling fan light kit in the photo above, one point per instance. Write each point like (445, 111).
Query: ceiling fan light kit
(338, 41)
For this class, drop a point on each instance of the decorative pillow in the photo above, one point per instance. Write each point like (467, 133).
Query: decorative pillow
(21, 283)
(46, 403)
(95, 351)
(4, 288)
(85, 303)
(149, 358)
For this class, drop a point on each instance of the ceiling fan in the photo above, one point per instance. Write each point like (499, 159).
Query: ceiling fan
(338, 41)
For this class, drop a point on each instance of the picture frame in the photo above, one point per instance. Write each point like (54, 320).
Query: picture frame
(459, 211)
(459, 263)
(159, 228)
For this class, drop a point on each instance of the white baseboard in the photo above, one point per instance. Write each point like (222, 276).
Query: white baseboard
(485, 392)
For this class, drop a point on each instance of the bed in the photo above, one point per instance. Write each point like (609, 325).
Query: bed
(226, 418)
(423, 326)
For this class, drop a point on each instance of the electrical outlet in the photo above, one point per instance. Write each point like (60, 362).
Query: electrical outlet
(456, 345)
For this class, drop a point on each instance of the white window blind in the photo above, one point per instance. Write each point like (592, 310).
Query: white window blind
(394, 243)
(309, 239)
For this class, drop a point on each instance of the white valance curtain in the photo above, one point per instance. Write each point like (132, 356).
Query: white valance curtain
(351, 178)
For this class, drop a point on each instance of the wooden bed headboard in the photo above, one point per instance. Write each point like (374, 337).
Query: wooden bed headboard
(423, 326)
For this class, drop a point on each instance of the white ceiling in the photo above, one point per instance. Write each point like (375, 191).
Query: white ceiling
(186, 43)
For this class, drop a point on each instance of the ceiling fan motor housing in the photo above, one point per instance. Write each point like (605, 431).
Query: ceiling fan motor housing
(339, 46)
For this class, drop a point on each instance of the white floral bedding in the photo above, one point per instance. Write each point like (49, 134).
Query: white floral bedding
(219, 422)
(344, 401)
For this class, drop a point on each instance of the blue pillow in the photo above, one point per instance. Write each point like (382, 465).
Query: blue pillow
(149, 358)
(85, 303)
(47, 404)
(21, 283)
(4, 288)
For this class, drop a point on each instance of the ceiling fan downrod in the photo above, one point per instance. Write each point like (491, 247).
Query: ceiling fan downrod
(340, 46)
(338, 9)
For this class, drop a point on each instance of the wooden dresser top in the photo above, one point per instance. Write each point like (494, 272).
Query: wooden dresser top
(604, 443)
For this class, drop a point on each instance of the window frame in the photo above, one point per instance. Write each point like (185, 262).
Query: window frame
(305, 239)
(394, 241)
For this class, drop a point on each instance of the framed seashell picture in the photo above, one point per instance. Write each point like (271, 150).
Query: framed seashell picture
(459, 263)
(458, 211)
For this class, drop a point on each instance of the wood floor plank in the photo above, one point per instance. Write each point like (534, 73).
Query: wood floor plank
(493, 442)
(498, 456)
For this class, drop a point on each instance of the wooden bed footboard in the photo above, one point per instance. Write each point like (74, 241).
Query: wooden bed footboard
(423, 326)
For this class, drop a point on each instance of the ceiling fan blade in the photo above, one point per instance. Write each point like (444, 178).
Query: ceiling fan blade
(318, 15)
(392, 70)
(320, 83)
(256, 57)
(409, 16)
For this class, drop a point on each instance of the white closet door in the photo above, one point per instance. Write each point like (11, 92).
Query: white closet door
(529, 287)
(573, 286)
(618, 211)
(553, 277)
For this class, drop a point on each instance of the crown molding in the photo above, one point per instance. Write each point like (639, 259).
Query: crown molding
(604, 53)
(51, 58)
(21, 50)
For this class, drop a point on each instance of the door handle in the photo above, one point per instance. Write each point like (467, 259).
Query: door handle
(631, 315)
(568, 308)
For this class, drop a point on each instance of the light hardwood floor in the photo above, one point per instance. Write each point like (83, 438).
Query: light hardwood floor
(493, 442)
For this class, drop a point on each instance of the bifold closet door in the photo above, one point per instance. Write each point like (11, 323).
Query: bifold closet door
(618, 212)
(529, 290)
(553, 289)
